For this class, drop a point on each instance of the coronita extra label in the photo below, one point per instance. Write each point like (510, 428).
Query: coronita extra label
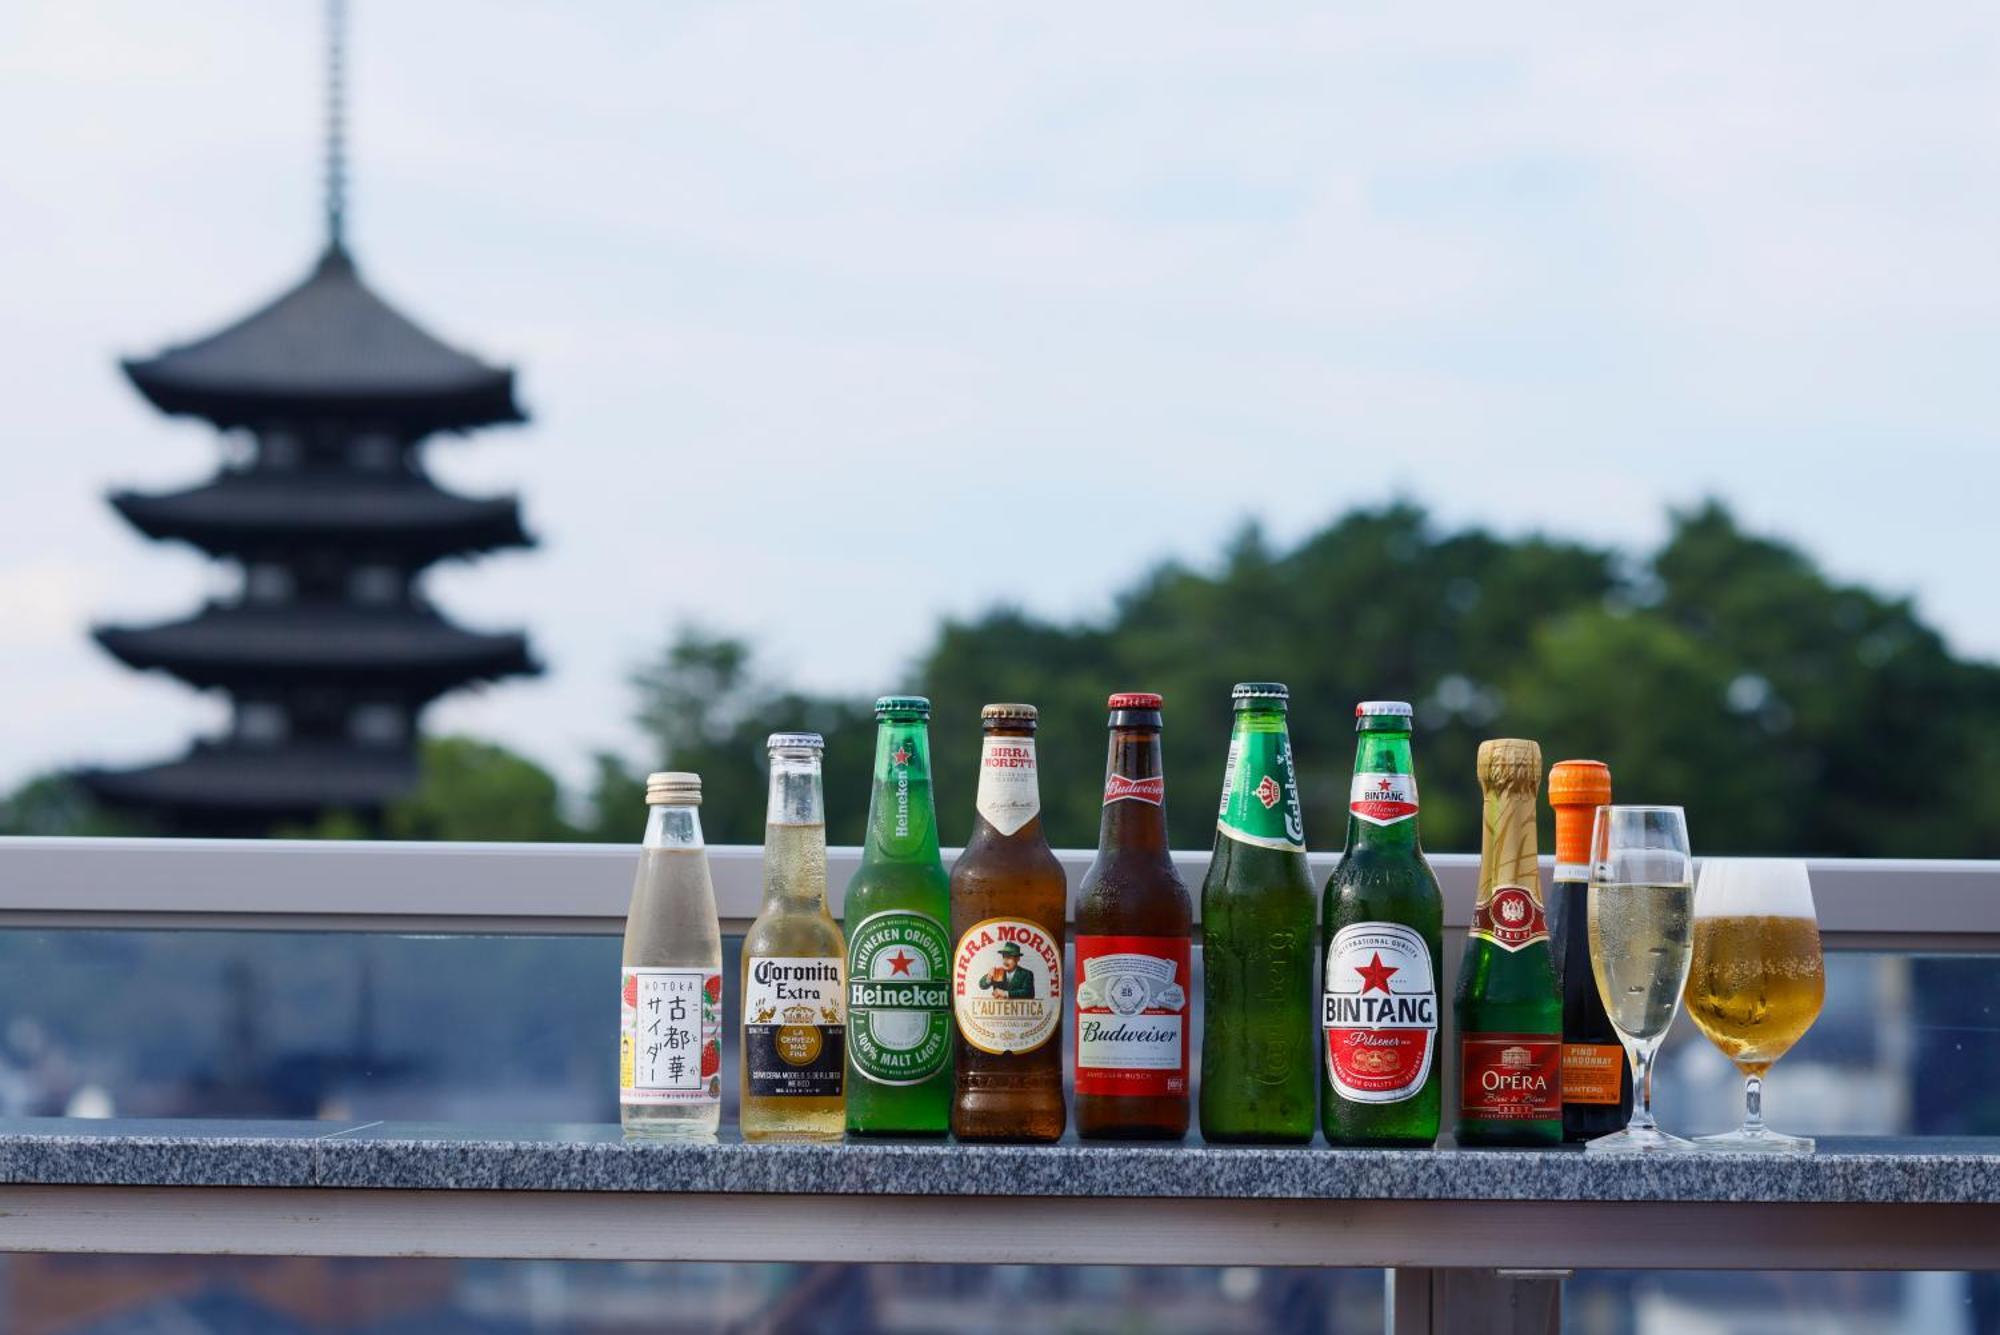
(1260, 791)
(1379, 1012)
(898, 997)
(794, 1026)
(1007, 986)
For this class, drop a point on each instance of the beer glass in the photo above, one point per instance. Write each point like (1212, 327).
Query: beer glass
(1641, 916)
(1758, 979)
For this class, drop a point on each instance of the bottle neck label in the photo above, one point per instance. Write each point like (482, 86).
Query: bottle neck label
(1379, 1012)
(670, 1041)
(1007, 985)
(1260, 792)
(1010, 795)
(898, 997)
(1131, 1015)
(1382, 798)
(1118, 788)
(1511, 918)
(901, 820)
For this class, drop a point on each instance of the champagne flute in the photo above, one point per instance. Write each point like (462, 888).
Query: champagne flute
(1641, 915)
(1758, 979)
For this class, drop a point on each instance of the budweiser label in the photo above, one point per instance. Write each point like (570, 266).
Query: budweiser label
(1511, 918)
(1118, 788)
(795, 1026)
(1131, 1015)
(898, 997)
(670, 1044)
(1510, 1077)
(1381, 798)
(1009, 794)
(1006, 985)
(1379, 1012)
(1592, 1072)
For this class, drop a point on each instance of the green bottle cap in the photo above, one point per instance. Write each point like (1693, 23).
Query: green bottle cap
(902, 704)
(1260, 695)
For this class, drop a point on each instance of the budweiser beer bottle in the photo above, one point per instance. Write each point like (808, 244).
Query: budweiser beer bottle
(1384, 937)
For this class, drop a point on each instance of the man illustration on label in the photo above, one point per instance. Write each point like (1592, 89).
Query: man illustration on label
(1010, 979)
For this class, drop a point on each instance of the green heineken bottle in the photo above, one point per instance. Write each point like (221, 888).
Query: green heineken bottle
(1258, 1076)
(1384, 937)
(899, 1027)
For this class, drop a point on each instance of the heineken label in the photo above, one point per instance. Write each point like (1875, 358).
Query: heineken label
(898, 997)
(1382, 798)
(1131, 1015)
(795, 1026)
(670, 1040)
(1511, 918)
(900, 817)
(1510, 1077)
(1379, 1012)
(1009, 793)
(1006, 985)
(1260, 793)
(1118, 788)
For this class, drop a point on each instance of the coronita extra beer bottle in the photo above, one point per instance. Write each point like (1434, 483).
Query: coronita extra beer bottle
(1133, 923)
(1384, 937)
(1508, 1009)
(1596, 1078)
(1008, 901)
(898, 955)
(794, 965)
(1257, 919)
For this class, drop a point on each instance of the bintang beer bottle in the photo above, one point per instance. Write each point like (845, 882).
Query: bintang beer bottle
(1008, 901)
(1384, 937)
(1596, 1079)
(1508, 1009)
(1257, 916)
(1133, 921)
(898, 954)
(794, 990)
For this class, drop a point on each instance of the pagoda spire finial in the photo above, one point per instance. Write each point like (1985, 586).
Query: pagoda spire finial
(336, 124)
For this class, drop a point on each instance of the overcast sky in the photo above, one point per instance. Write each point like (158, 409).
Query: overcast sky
(836, 319)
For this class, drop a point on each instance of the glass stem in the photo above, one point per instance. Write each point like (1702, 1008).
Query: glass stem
(1642, 1088)
(1753, 1105)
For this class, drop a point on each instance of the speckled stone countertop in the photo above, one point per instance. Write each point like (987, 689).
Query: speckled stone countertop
(599, 1159)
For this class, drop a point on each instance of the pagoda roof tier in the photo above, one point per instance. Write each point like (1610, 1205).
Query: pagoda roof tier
(329, 348)
(230, 783)
(247, 510)
(407, 649)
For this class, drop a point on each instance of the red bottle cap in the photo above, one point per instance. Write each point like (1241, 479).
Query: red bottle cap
(1135, 700)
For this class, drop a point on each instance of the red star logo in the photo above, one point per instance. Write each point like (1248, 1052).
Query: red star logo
(1382, 785)
(1375, 974)
(902, 756)
(900, 963)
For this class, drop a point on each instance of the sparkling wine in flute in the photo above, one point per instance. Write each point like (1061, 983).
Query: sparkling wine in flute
(1640, 944)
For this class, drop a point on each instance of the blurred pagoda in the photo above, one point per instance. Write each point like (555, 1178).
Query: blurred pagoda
(328, 651)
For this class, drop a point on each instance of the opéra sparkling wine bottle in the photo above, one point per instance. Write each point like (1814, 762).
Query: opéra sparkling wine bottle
(794, 965)
(1009, 898)
(1384, 938)
(1133, 924)
(1258, 1074)
(670, 993)
(1508, 1010)
(899, 1027)
(1596, 1078)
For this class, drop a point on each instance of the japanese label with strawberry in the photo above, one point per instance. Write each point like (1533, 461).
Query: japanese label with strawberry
(1260, 791)
(670, 1048)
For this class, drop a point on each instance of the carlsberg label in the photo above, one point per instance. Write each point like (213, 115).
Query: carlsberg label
(899, 997)
(1260, 791)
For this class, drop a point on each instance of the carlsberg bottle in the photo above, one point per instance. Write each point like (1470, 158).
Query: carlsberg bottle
(899, 1025)
(1384, 938)
(1258, 1074)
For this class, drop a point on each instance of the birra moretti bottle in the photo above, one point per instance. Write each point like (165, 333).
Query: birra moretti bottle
(670, 997)
(794, 965)
(1384, 937)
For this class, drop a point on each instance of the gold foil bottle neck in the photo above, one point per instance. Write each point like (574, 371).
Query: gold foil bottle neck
(1510, 765)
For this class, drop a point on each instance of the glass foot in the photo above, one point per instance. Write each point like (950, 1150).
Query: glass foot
(1637, 1140)
(1762, 1141)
